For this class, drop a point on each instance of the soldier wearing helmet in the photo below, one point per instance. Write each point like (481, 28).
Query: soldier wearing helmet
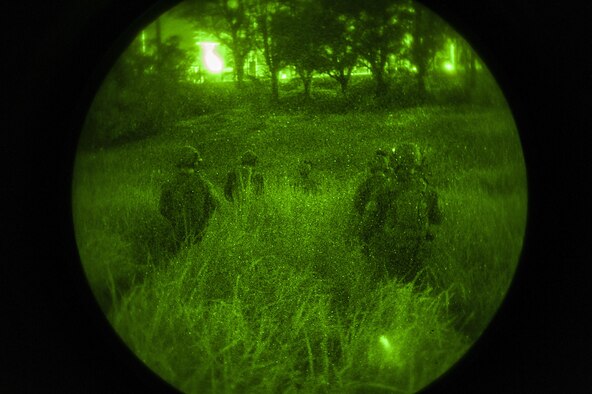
(245, 181)
(403, 242)
(187, 201)
(373, 197)
(406, 160)
(304, 180)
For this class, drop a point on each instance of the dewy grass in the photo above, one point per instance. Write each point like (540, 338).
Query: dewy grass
(240, 313)
(278, 295)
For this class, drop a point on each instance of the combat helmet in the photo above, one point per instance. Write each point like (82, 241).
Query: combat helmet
(379, 162)
(249, 158)
(188, 158)
(406, 157)
(304, 168)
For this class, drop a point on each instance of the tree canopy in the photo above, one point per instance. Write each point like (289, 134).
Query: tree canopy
(388, 38)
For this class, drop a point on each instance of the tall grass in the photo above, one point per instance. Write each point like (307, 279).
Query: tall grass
(278, 296)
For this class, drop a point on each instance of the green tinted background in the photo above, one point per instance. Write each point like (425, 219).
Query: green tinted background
(278, 296)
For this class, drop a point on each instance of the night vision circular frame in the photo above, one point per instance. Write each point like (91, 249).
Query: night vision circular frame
(272, 198)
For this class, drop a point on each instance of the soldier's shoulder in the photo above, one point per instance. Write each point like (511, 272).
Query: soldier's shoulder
(167, 185)
(231, 178)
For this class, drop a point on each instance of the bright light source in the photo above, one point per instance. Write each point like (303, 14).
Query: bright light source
(386, 344)
(143, 41)
(450, 65)
(284, 76)
(211, 60)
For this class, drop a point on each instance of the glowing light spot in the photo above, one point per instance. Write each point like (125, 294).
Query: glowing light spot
(452, 50)
(448, 66)
(386, 344)
(143, 42)
(284, 76)
(211, 60)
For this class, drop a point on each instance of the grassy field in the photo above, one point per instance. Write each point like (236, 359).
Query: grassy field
(278, 296)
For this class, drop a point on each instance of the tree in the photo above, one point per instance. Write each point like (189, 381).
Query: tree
(131, 66)
(428, 37)
(173, 62)
(143, 93)
(467, 59)
(380, 28)
(156, 61)
(465, 62)
(337, 55)
(230, 21)
(265, 11)
(296, 33)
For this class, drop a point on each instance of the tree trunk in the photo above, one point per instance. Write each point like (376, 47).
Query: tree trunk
(381, 86)
(239, 70)
(377, 68)
(306, 82)
(306, 78)
(271, 64)
(158, 34)
(421, 89)
(419, 52)
(343, 83)
(275, 91)
(471, 73)
(344, 80)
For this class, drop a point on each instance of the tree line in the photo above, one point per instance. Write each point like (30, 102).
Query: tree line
(330, 37)
(400, 43)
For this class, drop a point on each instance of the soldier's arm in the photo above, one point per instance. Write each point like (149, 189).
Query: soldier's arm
(434, 212)
(361, 196)
(216, 197)
(258, 181)
(213, 196)
(212, 200)
(164, 205)
(230, 185)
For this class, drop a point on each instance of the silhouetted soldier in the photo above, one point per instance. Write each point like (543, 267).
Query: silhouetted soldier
(373, 197)
(245, 181)
(304, 181)
(403, 243)
(187, 201)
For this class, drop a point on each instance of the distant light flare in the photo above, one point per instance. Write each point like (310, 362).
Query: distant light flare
(211, 60)
(386, 344)
(448, 66)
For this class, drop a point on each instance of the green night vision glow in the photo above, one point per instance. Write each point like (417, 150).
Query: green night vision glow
(448, 66)
(386, 344)
(211, 60)
(280, 209)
